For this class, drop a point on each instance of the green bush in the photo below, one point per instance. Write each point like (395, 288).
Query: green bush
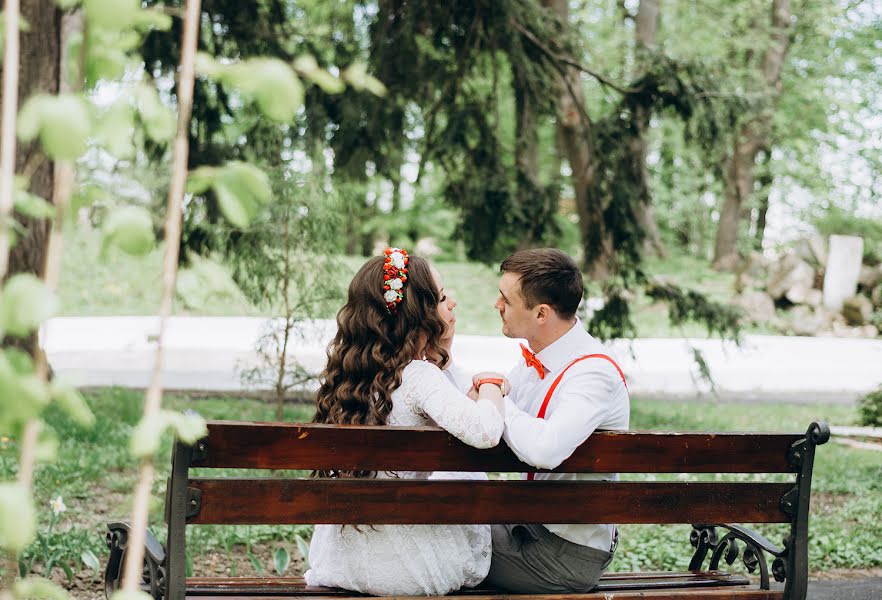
(870, 409)
(836, 221)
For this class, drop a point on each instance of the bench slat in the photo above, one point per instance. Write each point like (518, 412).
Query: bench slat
(315, 446)
(708, 593)
(391, 501)
(608, 582)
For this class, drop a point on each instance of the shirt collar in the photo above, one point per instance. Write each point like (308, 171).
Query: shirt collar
(560, 352)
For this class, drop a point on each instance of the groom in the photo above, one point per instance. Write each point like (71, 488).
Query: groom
(562, 391)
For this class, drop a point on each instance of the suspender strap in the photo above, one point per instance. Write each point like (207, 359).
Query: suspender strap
(544, 407)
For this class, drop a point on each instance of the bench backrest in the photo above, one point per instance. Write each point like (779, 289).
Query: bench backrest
(301, 500)
(274, 500)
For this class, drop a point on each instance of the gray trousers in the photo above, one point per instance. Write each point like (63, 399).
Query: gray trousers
(529, 559)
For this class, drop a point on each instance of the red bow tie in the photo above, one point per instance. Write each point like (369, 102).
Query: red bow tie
(532, 361)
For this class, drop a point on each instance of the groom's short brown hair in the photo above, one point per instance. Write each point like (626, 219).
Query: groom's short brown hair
(548, 276)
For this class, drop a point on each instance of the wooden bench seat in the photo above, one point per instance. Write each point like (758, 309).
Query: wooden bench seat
(715, 509)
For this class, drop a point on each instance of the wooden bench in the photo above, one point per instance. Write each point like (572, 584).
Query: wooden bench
(714, 508)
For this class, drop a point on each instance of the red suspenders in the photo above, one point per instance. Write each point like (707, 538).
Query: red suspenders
(541, 414)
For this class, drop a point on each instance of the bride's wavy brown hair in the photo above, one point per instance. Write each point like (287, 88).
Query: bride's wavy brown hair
(368, 355)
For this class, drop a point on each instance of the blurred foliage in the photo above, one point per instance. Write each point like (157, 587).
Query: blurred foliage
(870, 409)
(836, 221)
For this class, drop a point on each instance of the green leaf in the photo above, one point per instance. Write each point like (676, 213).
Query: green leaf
(308, 67)
(105, 62)
(18, 519)
(236, 209)
(63, 123)
(114, 129)
(207, 66)
(148, 433)
(20, 361)
(90, 560)
(130, 229)
(114, 15)
(303, 547)
(30, 118)
(22, 396)
(188, 427)
(47, 444)
(38, 588)
(148, 19)
(245, 179)
(357, 76)
(30, 205)
(258, 568)
(271, 83)
(241, 189)
(72, 402)
(67, 571)
(199, 180)
(26, 302)
(159, 120)
(281, 560)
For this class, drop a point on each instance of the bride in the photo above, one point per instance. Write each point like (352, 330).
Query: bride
(386, 367)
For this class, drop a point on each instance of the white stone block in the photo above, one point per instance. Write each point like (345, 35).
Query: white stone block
(843, 268)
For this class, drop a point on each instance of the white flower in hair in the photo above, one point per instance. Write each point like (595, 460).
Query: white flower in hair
(395, 284)
(397, 260)
(390, 296)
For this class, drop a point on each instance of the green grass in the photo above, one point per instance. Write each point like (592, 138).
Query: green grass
(95, 475)
(123, 285)
(846, 513)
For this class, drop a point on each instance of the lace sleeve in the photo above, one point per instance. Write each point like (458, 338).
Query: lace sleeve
(432, 394)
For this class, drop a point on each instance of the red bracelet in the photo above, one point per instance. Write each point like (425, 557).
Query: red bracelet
(497, 381)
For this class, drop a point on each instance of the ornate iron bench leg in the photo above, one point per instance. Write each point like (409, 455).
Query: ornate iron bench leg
(153, 573)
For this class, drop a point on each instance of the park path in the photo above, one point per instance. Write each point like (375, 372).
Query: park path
(208, 354)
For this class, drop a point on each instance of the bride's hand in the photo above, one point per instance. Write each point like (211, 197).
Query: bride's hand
(473, 393)
(493, 375)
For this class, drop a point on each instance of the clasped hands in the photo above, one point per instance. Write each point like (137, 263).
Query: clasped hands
(473, 391)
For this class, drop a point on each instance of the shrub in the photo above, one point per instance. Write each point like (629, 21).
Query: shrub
(870, 409)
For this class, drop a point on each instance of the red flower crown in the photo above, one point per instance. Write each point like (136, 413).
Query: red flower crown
(394, 277)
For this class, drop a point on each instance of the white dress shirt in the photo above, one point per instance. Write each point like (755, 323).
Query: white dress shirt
(590, 396)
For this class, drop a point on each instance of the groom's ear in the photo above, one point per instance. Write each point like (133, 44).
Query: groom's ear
(543, 311)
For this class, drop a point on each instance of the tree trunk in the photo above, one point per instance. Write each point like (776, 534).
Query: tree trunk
(738, 185)
(526, 152)
(645, 40)
(752, 137)
(577, 134)
(39, 65)
(765, 179)
(38, 72)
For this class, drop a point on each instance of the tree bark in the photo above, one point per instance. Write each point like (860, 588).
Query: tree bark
(526, 150)
(752, 137)
(645, 36)
(39, 69)
(39, 72)
(577, 134)
(765, 180)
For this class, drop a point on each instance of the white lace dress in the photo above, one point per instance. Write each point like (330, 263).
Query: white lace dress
(414, 559)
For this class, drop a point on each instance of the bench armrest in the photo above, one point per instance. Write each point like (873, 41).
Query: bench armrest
(154, 561)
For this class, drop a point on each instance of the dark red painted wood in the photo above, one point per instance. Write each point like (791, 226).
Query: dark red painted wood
(390, 501)
(311, 446)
